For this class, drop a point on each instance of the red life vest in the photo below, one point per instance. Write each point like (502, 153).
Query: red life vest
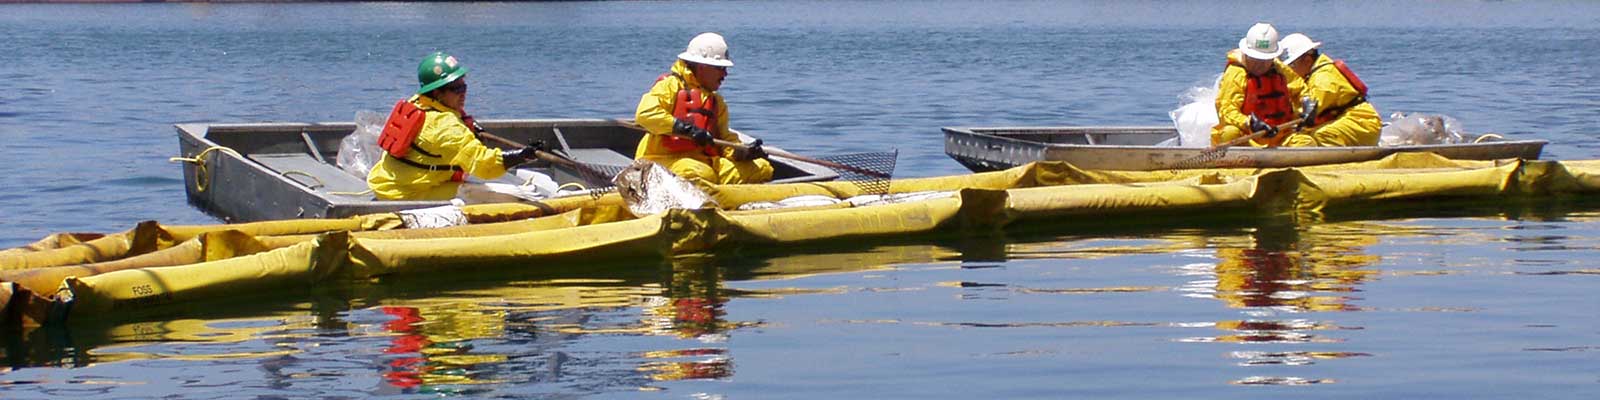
(1332, 113)
(1355, 81)
(698, 109)
(1266, 96)
(402, 128)
(399, 137)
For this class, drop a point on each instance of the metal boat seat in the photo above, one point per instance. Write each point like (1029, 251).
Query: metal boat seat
(316, 175)
(600, 156)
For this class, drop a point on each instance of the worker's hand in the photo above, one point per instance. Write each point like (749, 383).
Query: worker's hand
(512, 158)
(1308, 112)
(472, 124)
(700, 136)
(1257, 126)
(749, 152)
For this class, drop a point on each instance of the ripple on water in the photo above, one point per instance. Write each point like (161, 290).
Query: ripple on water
(1281, 381)
(144, 181)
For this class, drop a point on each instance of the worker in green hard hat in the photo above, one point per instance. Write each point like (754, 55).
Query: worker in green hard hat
(428, 145)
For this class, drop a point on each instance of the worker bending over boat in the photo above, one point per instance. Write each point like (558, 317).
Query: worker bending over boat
(428, 147)
(1257, 92)
(1338, 113)
(683, 113)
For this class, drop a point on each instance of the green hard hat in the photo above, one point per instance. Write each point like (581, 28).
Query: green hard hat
(436, 70)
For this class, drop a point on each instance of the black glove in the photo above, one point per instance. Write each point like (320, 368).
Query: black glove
(700, 136)
(749, 152)
(472, 124)
(512, 158)
(1257, 125)
(1308, 112)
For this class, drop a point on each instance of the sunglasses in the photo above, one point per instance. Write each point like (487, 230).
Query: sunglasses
(456, 88)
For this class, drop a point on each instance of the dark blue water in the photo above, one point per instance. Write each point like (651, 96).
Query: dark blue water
(1491, 302)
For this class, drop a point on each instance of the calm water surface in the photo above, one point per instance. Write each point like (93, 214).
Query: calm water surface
(1434, 301)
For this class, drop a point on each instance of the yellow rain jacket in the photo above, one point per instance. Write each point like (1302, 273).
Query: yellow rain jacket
(1231, 123)
(444, 141)
(1359, 125)
(655, 115)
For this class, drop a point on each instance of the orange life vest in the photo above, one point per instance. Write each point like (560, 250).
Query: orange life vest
(698, 109)
(402, 128)
(1331, 113)
(399, 138)
(1267, 96)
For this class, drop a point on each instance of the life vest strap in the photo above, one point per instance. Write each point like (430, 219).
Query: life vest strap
(430, 167)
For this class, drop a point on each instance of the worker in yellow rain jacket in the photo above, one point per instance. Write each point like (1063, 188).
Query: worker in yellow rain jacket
(1256, 93)
(683, 113)
(428, 148)
(1337, 113)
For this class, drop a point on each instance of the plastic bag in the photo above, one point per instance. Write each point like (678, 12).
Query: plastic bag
(1195, 118)
(359, 151)
(536, 181)
(1418, 128)
(649, 188)
(434, 217)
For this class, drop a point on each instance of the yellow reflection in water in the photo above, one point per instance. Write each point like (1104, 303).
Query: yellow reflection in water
(431, 344)
(134, 339)
(1283, 267)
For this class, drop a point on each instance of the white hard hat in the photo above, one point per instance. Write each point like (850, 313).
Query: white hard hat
(1296, 45)
(1261, 42)
(709, 49)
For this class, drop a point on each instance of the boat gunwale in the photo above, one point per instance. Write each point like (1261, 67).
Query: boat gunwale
(994, 148)
(195, 137)
(1078, 130)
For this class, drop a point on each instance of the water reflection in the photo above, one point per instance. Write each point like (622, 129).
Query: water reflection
(1282, 270)
(584, 330)
(425, 353)
(533, 330)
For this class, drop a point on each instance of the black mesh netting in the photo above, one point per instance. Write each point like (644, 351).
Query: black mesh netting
(869, 171)
(1206, 159)
(598, 176)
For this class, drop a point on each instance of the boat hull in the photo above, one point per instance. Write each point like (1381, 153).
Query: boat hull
(271, 171)
(1134, 149)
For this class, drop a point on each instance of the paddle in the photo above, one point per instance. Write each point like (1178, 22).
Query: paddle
(1210, 154)
(869, 171)
(595, 174)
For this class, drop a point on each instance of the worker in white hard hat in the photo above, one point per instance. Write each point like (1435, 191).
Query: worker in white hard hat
(1257, 93)
(683, 113)
(1336, 111)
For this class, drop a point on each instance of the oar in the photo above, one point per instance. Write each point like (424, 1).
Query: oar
(797, 157)
(599, 175)
(1214, 152)
(870, 171)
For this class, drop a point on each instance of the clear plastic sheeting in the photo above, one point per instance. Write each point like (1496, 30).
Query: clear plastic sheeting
(434, 217)
(650, 189)
(1418, 128)
(536, 181)
(896, 198)
(857, 201)
(494, 192)
(1195, 117)
(810, 200)
(359, 151)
